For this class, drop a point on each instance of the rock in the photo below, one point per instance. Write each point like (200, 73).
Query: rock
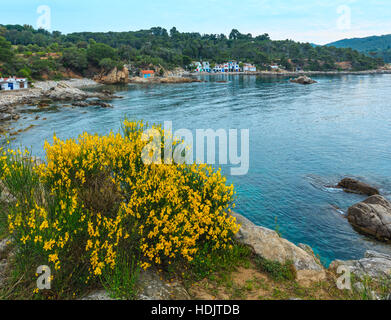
(4, 247)
(3, 268)
(98, 295)
(164, 80)
(153, 287)
(103, 104)
(372, 217)
(5, 195)
(359, 287)
(375, 265)
(92, 103)
(5, 117)
(115, 76)
(303, 80)
(269, 245)
(354, 186)
(150, 287)
(80, 104)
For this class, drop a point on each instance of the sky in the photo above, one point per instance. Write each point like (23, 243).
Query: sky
(314, 21)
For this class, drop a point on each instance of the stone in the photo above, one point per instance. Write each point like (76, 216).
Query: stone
(98, 295)
(150, 286)
(303, 80)
(372, 217)
(153, 287)
(375, 265)
(354, 186)
(359, 287)
(268, 244)
(115, 76)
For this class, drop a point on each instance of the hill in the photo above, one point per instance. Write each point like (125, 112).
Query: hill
(26, 51)
(375, 46)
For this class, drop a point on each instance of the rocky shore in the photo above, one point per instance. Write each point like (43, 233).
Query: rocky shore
(44, 93)
(296, 74)
(163, 80)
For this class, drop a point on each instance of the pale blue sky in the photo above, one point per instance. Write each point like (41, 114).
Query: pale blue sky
(301, 20)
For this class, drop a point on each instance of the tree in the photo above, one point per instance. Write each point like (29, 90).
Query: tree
(186, 60)
(234, 35)
(98, 51)
(75, 59)
(6, 53)
(107, 64)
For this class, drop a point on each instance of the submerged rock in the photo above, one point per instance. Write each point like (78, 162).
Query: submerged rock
(372, 217)
(303, 80)
(354, 186)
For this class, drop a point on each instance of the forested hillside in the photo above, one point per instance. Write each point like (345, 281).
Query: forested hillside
(376, 46)
(26, 51)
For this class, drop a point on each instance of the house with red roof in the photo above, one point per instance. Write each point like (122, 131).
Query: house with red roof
(147, 74)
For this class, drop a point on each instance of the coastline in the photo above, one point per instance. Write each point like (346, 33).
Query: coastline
(293, 74)
(44, 92)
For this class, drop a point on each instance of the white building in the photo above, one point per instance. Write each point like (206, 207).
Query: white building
(13, 83)
(197, 66)
(201, 67)
(217, 68)
(247, 67)
(206, 66)
(233, 66)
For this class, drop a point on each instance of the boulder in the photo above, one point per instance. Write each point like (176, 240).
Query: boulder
(115, 76)
(354, 186)
(372, 217)
(375, 265)
(268, 244)
(153, 287)
(303, 80)
(150, 286)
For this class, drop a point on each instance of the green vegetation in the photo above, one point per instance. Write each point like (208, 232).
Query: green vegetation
(375, 46)
(97, 214)
(276, 270)
(40, 54)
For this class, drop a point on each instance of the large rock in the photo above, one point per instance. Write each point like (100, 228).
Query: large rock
(355, 186)
(150, 286)
(372, 217)
(153, 287)
(115, 76)
(268, 244)
(303, 80)
(375, 265)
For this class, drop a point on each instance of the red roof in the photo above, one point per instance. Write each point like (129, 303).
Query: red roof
(147, 71)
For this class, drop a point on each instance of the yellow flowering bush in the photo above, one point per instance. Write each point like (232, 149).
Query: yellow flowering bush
(95, 199)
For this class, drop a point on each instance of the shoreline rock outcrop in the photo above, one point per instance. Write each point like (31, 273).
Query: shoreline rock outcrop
(374, 264)
(45, 93)
(163, 80)
(372, 217)
(115, 76)
(269, 245)
(303, 80)
(350, 185)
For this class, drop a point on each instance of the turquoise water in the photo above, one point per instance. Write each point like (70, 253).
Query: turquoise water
(301, 139)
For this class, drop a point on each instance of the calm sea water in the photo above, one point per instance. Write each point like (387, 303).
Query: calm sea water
(301, 139)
